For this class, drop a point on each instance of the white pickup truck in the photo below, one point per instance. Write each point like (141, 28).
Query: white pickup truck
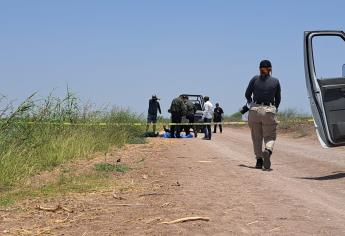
(326, 94)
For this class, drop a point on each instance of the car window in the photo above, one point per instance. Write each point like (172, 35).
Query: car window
(329, 57)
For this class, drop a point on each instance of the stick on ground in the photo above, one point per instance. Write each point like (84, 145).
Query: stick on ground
(130, 205)
(51, 209)
(194, 218)
(166, 204)
(151, 194)
(54, 209)
(118, 197)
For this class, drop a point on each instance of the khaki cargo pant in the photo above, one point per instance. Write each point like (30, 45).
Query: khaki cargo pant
(263, 125)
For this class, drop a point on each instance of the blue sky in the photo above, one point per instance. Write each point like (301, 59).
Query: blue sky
(122, 52)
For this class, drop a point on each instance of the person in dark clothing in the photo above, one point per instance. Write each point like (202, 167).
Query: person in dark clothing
(263, 95)
(177, 110)
(217, 118)
(154, 107)
(190, 111)
(264, 88)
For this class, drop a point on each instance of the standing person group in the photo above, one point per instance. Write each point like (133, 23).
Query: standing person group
(182, 106)
(263, 93)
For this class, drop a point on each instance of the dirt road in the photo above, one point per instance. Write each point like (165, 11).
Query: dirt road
(303, 195)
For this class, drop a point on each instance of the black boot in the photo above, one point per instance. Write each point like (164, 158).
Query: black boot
(259, 163)
(267, 159)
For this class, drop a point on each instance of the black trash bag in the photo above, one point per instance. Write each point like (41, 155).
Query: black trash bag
(151, 134)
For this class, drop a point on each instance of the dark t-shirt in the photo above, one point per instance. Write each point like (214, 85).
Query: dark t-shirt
(154, 107)
(217, 114)
(264, 90)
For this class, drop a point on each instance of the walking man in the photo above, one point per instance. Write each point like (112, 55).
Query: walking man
(207, 115)
(154, 106)
(217, 118)
(177, 110)
(263, 93)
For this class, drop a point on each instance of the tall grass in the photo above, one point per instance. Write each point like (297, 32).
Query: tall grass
(33, 137)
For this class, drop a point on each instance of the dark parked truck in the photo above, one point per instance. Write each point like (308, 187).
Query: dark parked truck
(326, 93)
(198, 101)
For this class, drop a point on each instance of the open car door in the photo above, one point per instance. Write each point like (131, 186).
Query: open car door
(326, 94)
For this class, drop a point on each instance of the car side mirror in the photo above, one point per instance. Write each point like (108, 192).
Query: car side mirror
(343, 73)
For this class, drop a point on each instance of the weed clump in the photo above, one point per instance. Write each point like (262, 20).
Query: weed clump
(107, 167)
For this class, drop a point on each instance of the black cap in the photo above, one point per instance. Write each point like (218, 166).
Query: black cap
(265, 64)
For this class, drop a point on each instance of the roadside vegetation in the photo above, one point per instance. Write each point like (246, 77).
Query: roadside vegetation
(41, 134)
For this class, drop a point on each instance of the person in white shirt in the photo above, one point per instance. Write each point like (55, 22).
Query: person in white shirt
(207, 115)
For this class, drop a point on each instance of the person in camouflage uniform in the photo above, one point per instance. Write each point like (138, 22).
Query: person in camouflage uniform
(190, 111)
(177, 110)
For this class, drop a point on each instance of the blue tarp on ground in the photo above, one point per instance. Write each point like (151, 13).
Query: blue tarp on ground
(168, 135)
